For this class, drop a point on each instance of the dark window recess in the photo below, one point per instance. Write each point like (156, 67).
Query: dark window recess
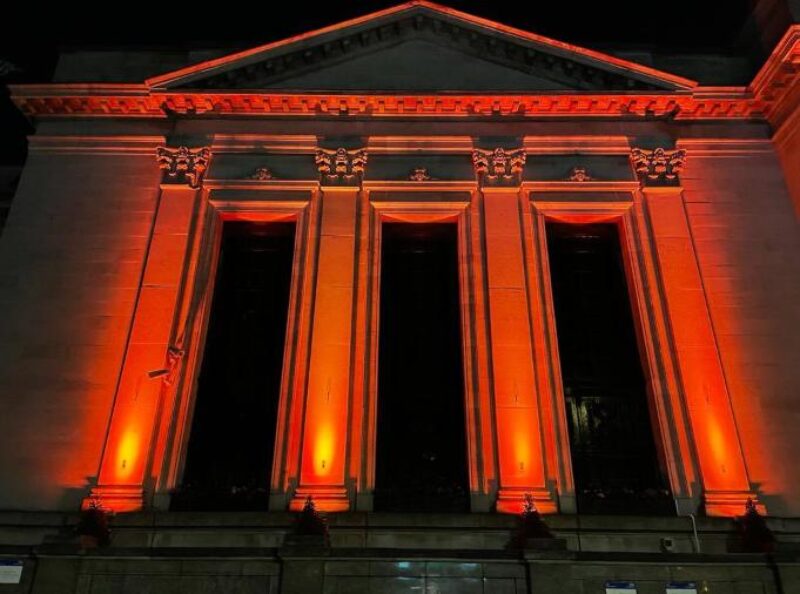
(616, 461)
(230, 451)
(421, 449)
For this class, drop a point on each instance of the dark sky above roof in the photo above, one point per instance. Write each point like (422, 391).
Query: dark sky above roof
(32, 34)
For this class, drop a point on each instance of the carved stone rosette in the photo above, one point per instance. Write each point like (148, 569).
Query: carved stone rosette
(578, 174)
(341, 167)
(184, 165)
(658, 167)
(262, 174)
(419, 174)
(499, 167)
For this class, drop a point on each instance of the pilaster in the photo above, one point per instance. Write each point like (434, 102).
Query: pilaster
(323, 463)
(726, 487)
(521, 456)
(151, 359)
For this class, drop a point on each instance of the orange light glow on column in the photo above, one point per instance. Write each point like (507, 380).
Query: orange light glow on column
(123, 470)
(726, 487)
(323, 451)
(519, 435)
(322, 461)
(128, 454)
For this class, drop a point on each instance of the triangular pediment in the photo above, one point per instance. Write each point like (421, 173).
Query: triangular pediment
(414, 65)
(420, 47)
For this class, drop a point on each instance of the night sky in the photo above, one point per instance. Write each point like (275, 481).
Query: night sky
(31, 37)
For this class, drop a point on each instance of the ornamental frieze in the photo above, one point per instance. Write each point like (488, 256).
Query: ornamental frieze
(341, 167)
(659, 166)
(499, 167)
(183, 165)
(681, 107)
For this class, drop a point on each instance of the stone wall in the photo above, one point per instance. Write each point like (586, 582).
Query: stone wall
(747, 241)
(168, 553)
(71, 259)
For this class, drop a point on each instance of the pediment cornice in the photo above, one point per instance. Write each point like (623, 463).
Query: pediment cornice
(564, 64)
(566, 69)
(773, 96)
(778, 81)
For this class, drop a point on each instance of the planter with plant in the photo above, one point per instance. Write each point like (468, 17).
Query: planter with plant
(754, 536)
(532, 533)
(310, 528)
(92, 528)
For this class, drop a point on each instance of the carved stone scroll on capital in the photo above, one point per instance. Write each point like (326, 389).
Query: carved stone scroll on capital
(658, 167)
(499, 167)
(183, 165)
(341, 167)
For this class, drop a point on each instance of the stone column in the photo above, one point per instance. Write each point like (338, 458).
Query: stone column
(325, 429)
(519, 436)
(726, 487)
(150, 359)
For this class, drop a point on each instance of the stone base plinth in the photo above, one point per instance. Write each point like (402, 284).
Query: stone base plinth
(326, 499)
(511, 500)
(116, 498)
(730, 503)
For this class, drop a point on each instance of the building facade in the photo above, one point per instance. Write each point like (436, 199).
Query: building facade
(394, 134)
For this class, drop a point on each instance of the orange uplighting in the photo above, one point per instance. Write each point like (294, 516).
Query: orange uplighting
(127, 454)
(323, 451)
(521, 451)
(520, 464)
(717, 442)
(322, 471)
(713, 343)
(722, 466)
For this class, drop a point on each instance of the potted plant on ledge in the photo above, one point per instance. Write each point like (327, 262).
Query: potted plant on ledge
(532, 533)
(310, 529)
(754, 536)
(92, 528)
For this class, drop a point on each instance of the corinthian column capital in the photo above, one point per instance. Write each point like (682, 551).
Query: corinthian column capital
(183, 165)
(341, 167)
(499, 167)
(659, 167)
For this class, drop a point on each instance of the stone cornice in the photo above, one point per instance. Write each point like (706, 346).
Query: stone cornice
(777, 84)
(702, 104)
(95, 145)
(725, 147)
(420, 187)
(396, 145)
(587, 187)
